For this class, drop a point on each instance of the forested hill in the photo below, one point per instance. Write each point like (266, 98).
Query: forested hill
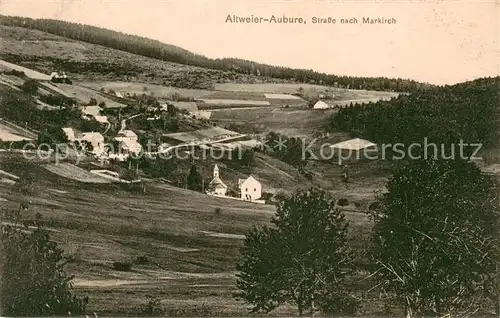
(166, 52)
(468, 111)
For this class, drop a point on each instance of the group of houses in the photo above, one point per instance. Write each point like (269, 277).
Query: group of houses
(250, 189)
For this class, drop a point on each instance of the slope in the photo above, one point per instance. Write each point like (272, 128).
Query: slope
(165, 52)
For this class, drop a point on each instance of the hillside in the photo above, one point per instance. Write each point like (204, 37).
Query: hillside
(239, 69)
(190, 249)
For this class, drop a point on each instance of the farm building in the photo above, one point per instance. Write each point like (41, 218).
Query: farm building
(321, 105)
(129, 134)
(217, 186)
(250, 189)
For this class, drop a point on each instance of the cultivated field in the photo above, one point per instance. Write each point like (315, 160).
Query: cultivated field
(210, 134)
(44, 52)
(228, 103)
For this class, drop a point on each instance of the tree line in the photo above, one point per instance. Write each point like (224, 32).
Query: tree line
(158, 50)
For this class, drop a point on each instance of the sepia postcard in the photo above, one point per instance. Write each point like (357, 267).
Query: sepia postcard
(222, 158)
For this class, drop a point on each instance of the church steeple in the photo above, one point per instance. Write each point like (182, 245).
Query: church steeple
(216, 171)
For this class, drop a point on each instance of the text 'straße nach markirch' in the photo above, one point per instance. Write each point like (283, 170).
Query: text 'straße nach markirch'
(284, 19)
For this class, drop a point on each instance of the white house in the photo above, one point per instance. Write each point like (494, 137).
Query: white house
(70, 133)
(250, 189)
(216, 186)
(321, 105)
(96, 140)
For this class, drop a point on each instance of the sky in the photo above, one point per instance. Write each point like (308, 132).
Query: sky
(440, 42)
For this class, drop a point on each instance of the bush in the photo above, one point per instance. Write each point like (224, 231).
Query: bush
(343, 202)
(152, 308)
(217, 211)
(33, 270)
(122, 266)
(102, 104)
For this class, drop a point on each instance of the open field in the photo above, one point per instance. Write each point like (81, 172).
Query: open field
(209, 134)
(6, 66)
(12, 132)
(83, 94)
(73, 172)
(84, 61)
(7, 136)
(309, 90)
(191, 250)
(207, 103)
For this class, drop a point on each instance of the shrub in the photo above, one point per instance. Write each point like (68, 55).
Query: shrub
(343, 202)
(217, 211)
(122, 266)
(152, 308)
(102, 104)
